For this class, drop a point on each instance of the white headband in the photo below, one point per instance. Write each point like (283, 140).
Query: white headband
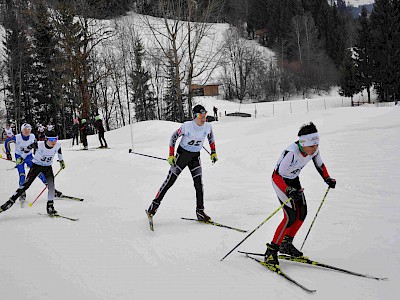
(26, 126)
(309, 139)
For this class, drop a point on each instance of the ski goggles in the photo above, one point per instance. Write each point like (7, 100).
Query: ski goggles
(52, 138)
(201, 114)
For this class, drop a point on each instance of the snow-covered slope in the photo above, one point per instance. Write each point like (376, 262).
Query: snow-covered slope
(110, 253)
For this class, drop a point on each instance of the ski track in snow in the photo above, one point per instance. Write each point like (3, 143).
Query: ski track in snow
(110, 253)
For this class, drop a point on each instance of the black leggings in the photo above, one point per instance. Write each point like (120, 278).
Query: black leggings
(192, 160)
(75, 136)
(101, 139)
(30, 178)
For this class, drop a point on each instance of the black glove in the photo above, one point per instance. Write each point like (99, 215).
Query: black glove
(34, 145)
(294, 193)
(331, 182)
(9, 157)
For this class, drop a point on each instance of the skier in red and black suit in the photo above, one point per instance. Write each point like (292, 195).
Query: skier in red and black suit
(188, 154)
(285, 180)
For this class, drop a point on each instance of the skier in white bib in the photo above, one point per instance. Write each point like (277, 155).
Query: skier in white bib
(42, 161)
(286, 182)
(8, 131)
(193, 134)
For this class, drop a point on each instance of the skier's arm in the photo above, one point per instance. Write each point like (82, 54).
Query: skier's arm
(7, 143)
(60, 156)
(320, 166)
(211, 141)
(175, 136)
(282, 168)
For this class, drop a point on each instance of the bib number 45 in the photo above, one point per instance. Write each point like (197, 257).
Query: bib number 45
(194, 143)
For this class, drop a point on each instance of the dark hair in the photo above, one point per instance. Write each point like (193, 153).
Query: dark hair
(307, 129)
(199, 109)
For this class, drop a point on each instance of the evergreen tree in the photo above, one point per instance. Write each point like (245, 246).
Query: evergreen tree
(385, 32)
(18, 63)
(45, 59)
(171, 111)
(142, 96)
(348, 83)
(363, 53)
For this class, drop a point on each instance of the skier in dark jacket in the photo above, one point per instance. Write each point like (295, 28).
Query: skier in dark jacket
(100, 129)
(83, 129)
(75, 132)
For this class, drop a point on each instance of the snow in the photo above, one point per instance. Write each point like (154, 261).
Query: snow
(356, 3)
(110, 253)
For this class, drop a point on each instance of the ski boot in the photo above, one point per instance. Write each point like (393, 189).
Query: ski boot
(22, 199)
(202, 216)
(7, 205)
(151, 211)
(271, 255)
(287, 247)
(50, 208)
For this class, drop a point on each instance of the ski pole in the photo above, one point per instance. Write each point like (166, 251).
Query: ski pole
(283, 204)
(130, 151)
(315, 217)
(206, 150)
(30, 204)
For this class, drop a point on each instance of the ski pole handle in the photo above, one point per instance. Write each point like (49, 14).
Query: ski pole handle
(283, 204)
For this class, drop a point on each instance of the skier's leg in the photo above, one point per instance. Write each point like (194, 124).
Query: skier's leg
(196, 171)
(21, 171)
(33, 172)
(182, 159)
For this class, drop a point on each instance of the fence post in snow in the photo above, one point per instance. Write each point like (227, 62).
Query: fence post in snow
(255, 111)
(273, 109)
(290, 107)
(325, 103)
(307, 107)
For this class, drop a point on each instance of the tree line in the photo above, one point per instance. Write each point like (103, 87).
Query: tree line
(374, 59)
(61, 62)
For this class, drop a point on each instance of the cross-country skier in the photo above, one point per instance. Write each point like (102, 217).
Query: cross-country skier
(100, 129)
(8, 131)
(41, 132)
(41, 164)
(23, 155)
(188, 154)
(285, 181)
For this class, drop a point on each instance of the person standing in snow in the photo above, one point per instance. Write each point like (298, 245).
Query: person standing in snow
(75, 132)
(83, 130)
(188, 154)
(215, 113)
(286, 183)
(41, 165)
(100, 129)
